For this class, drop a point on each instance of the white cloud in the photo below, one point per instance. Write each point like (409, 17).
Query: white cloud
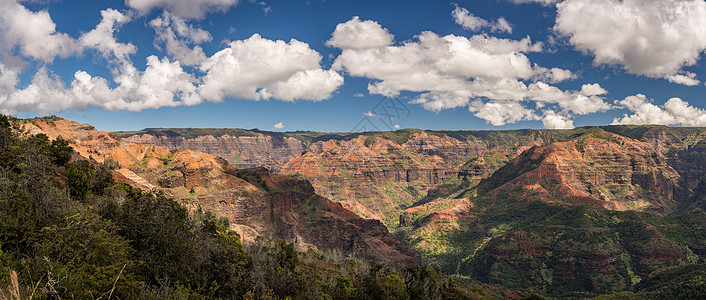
(370, 114)
(189, 9)
(357, 34)
(552, 120)
(34, 33)
(542, 2)
(162, 83)
(501, 25)
(583, 102)
(258, 68)
(674, 112)
(439, 63)
(491, 76)
(102, 38)
(651, 38)
(255, 68)
(555, 75)
(177, 35)
(686, 78)
(501, 113)
(358, 95)
(471, 22)
(8, 79)
(159, 85)
(278, 126)
(592, 90)
(42, 95)
(467, 20)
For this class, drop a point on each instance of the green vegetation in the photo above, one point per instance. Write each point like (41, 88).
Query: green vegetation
(511, 240)
(187, 133)
(576, 251)
(48, 119)
(493, 138)
(67, 231)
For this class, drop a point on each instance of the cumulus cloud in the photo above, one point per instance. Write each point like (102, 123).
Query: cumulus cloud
(255, 68)
(357, 34)
(552, 120)
(258, 69)
(674, 112)
(471, 22)
(189, 9)
(162, 83)
(651, 38)
(542, 2)
(8, 79)
(493, 77)
(686, 78)
(501, 113)
(278, 126)
(34, 33)
(102, 38)
(177, 36)
(42, 95)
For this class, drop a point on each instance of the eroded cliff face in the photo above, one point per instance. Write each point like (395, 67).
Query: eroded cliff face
(611, 172)
(376, 177)
(559, 211)
(659, 173)
(240, 151)
(642, 168)
(256, 202)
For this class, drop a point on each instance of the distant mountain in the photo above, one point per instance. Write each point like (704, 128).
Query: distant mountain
(374, 174)
(256, 202)
(595, 211)
(559, 212)
(69, 230)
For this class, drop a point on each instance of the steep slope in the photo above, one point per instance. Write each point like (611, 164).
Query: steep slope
(378, 177)
(241, 148)
(262, 204)
(374, 174)
(560, 218)
(563, 250)
(601, 169)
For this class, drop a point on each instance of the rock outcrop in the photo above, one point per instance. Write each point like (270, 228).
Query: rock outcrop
(240, 151)
(578, 211)
(567, 215)
(377, 177)
(256, 202)
(374, 175)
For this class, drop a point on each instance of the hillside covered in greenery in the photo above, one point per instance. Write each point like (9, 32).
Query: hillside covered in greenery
(67, 230)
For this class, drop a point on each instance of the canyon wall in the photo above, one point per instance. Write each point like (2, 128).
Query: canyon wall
(257, 202)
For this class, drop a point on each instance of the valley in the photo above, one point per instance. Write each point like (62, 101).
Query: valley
(560, 213)
(557, 212)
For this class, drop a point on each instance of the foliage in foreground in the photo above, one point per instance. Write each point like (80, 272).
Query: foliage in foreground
(68, 231)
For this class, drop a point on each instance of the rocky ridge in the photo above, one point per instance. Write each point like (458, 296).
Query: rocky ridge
(552, 212)
(256, 202)
(240, 151)
(565, 216)
(374, 175)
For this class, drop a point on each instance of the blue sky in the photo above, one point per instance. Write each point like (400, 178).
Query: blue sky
(353, 65)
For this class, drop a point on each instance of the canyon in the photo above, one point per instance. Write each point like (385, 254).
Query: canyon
(593, 209)
(256, 202)
(374, 175)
